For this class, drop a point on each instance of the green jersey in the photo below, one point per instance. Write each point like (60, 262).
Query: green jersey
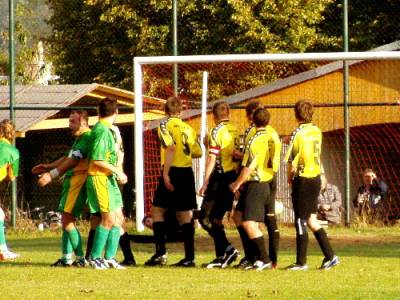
(9, 160)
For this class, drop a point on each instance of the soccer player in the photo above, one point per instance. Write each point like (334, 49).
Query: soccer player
(274, 147)
(9, 168)
(176, 189)
(304, 169)
(103, 192)
(220, 171)
(255, 201)
(124, 241)
(73, 197)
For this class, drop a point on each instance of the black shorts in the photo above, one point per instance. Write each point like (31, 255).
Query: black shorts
(305, 193)
(183, 197)
(255, 201)
(219, 198)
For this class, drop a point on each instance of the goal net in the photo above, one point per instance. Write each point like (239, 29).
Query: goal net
(278, 81)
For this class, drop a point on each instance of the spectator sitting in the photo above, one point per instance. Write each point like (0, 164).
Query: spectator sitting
(329, 203)
(369, 200)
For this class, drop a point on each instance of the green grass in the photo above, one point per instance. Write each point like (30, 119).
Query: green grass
(369, 269)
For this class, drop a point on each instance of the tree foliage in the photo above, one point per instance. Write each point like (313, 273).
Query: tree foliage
(95, 40)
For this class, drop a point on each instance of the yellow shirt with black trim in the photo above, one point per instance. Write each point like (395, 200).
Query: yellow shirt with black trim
(274, 146)
(257, 157)
(223, 140)
(9, 160)
(174, 131)
(304, 151)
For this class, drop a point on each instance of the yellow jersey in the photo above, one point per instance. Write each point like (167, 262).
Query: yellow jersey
(174, 131)
(257, 157)
(223, 140)
(274, 146)
(304, 151)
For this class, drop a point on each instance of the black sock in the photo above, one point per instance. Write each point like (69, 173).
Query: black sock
(324, 244)
(159, 237)
(89, 245)
(125, 244)
(188, 240)
(262, 254)
(273, 237)
(221, 242)
(301, 248)
(247, 244)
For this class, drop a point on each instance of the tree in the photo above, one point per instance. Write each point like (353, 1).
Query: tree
(95, 40)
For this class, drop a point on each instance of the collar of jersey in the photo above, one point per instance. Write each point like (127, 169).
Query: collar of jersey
(223, 121)
(4, 140)
(174, 117)
(82, 131)
(105, 123)
(305, 125)
(260, 129)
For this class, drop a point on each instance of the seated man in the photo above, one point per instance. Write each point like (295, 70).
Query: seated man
(329, 203)
(369, 201)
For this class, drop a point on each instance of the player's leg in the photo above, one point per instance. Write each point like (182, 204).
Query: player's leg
(124, 241)
(5, 253)
(185, 220)
(95, 219)
(330, 259)
(248, 259)
(160, 256)
(254, 204)
(117, 217)
(272, 225)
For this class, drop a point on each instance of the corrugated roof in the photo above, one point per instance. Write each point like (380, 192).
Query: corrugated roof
(56, 96)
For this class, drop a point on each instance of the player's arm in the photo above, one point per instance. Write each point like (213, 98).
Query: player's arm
(169, 156)
(276, 160)
(210, 164)
(242, 178)
(40, 168)
(62, 167)
(121, 176)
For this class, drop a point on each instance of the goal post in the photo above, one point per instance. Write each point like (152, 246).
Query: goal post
(230, 61)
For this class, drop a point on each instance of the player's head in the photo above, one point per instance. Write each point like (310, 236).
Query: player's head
(148, 222)
(261, 117)
(78, 119)
(250, 108)
(107, 108)
(303, 111)
(7, 130)
(220, 111)
(173, 106)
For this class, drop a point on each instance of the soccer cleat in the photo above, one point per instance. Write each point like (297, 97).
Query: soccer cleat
(216, 263)
(186, 263)
(113, 264)
(80, 263)
(62, 262)
(157, 260)
(329, 263)
(260, 265)
(128, 263)
(244, 263)
(297, 267)
(98, 264)
(8, 255)
(229, 257)
(274, 265)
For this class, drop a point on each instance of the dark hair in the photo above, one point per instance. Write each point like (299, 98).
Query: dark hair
(221, 110)
(107, 107)
(303, 111)
(7, 130)
(82, 113)
(261, 117)
(173, 106)
(251, 107)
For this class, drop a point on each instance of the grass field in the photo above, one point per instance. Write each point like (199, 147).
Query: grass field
(369, 269)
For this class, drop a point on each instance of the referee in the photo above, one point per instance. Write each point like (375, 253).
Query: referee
(304, 169)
